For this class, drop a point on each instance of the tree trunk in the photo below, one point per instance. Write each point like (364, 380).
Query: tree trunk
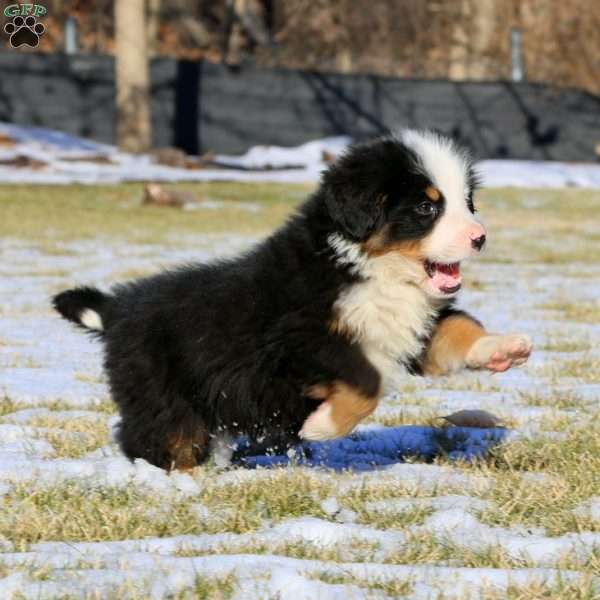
(133, 77)
(459, 45)
(483, 29)
(153, 25)
(474, 27)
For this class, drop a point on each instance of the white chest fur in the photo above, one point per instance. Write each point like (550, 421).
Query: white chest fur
(387, 313)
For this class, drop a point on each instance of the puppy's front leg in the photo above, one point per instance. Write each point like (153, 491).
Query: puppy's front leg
(460, 341)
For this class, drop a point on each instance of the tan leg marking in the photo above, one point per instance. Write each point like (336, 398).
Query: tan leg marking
(183, 449)
(450, 344)
(343, 407)
(460, 342)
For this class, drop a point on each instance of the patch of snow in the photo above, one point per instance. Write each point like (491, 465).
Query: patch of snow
(589, 509)
(162, 575)
(325, 534)
(55, 151)
(345, 515)
(277, 157)
(330, 506)
(464, 530)
(109, 471)
(222, 448)
(287, 584)
(419, 478)
(538, 174)
(437, 503)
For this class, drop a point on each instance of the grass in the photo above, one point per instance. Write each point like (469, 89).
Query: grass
(570, 467)
(393, 588)
(352, 550)
(562, 211)
(75, 437)
(580, 312)
(390, 520)
(558, 343)
(104, 406)
(586, 369)
(400, 417)
(559, 399)
(583, 590)
(426, 548)
(285, 493)
(7, 405)
(221, 588)
(78, 212)
(70, 512)
(533, 483)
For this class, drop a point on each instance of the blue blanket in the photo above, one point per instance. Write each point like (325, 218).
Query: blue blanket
(373, 448)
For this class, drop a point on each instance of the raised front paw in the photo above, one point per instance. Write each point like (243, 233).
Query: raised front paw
(499, 352)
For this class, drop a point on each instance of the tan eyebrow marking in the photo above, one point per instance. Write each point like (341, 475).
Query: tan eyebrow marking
(432, 193)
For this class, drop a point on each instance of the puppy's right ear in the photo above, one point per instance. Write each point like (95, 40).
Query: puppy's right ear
(349, 191)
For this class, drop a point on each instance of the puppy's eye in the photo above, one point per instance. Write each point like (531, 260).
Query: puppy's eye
(426, 209)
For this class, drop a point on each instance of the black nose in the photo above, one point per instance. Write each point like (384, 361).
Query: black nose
(478, 243)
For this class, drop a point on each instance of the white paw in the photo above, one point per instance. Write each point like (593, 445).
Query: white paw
(319, 425)
(499, 352)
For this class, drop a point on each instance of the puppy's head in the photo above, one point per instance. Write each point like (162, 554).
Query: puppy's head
(410, 197)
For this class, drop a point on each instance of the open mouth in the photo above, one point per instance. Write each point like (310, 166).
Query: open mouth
(445, 278)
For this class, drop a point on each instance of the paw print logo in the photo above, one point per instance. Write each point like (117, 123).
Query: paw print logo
(24, 31)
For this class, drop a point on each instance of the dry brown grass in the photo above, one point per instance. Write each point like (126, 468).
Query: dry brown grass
(568, 474)
(74, 437)
(89, 212)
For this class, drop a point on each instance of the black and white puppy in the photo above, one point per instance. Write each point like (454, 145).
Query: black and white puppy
(296, 336)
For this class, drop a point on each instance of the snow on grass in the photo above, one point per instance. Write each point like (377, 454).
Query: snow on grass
(60, 158)
(78, 520)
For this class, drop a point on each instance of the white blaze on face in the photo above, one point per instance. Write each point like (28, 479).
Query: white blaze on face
(447, 167)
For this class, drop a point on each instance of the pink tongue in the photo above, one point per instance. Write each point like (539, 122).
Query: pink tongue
(446, 276)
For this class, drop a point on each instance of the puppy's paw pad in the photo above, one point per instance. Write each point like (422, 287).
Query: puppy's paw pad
(320, 425)
(498, 364)
(499, 352)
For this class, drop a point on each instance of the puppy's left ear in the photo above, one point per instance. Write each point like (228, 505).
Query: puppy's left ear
(348, 188)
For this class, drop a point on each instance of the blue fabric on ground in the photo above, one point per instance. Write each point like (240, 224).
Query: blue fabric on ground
(373, 448)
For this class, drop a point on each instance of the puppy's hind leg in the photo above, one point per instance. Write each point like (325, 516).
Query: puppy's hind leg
(187, 447)
(168, 443)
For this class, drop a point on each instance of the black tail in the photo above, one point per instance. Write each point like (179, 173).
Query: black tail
(85, 306)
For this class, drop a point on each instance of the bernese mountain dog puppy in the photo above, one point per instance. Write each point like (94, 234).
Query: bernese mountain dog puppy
(295, 338)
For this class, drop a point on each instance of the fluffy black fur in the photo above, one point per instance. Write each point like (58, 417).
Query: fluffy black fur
(234, 345)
